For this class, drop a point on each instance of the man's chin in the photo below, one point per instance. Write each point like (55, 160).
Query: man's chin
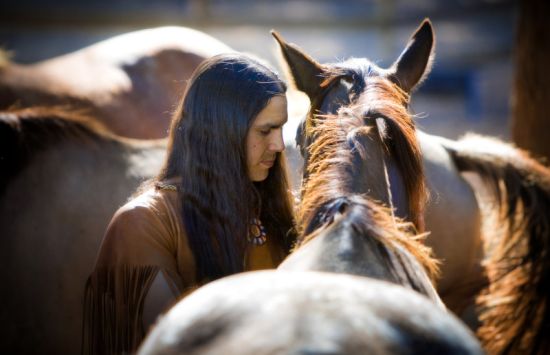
(260, 176)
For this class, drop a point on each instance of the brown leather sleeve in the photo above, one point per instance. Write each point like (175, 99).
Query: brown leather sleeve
(143, 238)
(137, 236)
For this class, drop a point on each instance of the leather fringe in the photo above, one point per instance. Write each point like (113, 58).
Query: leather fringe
(113, 309)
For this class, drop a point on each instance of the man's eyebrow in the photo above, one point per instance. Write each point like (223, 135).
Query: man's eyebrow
(272, 125)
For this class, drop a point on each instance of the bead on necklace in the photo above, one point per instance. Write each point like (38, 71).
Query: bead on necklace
(256, 232)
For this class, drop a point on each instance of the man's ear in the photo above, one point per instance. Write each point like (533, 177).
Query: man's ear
(415, 62)
(304, 71)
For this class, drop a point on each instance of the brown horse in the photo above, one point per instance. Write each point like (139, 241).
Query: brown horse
(129, 82)
(308, 305)
(61, 179)
(515, 315)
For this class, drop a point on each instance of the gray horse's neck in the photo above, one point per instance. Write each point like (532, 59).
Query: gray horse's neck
(355, 244)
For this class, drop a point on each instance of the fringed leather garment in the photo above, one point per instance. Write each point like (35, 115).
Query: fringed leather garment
(145, 237)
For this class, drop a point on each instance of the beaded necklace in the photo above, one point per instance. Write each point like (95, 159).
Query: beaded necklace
(256, 232)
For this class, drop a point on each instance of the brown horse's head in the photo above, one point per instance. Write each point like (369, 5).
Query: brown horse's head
(387, 163)
(355, 139)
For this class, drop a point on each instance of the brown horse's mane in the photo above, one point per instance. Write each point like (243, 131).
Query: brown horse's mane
(379, 97)
(515, 311)
(26, 131)
(327, 161)
(329, 178)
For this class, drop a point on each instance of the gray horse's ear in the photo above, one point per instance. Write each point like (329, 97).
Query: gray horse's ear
(415, 62)
(304, 71)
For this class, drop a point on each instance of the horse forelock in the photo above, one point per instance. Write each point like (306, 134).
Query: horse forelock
(354, 70)
(369, 219)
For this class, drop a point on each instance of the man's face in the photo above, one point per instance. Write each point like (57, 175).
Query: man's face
(265, 138)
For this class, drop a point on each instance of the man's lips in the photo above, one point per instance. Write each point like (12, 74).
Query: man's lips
(268, 163)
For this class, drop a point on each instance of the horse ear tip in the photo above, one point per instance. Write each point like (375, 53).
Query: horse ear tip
(426, 25)
(425, 31)
(276, 35)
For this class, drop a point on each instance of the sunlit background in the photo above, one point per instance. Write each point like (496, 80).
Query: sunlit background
(467, 90)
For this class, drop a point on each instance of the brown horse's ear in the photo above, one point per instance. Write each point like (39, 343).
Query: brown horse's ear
(305, 72)
(415, 62)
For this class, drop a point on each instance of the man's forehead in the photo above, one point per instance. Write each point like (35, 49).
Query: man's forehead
(275, 119)
(275, 113)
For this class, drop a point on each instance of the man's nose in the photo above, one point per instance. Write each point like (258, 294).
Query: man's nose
(277, 144)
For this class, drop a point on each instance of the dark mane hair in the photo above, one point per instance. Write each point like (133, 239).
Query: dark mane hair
(330, 172)
(25, 132)
(515, 309)
(378, 97)
(207, 149)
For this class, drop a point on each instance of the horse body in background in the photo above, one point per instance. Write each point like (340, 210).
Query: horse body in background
(512, 260)
(61, 180)
(131, 82)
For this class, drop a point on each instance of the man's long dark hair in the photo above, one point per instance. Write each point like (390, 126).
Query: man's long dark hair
(207, 149)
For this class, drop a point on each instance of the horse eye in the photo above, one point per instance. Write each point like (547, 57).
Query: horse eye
(347, 82)
(348, 79)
